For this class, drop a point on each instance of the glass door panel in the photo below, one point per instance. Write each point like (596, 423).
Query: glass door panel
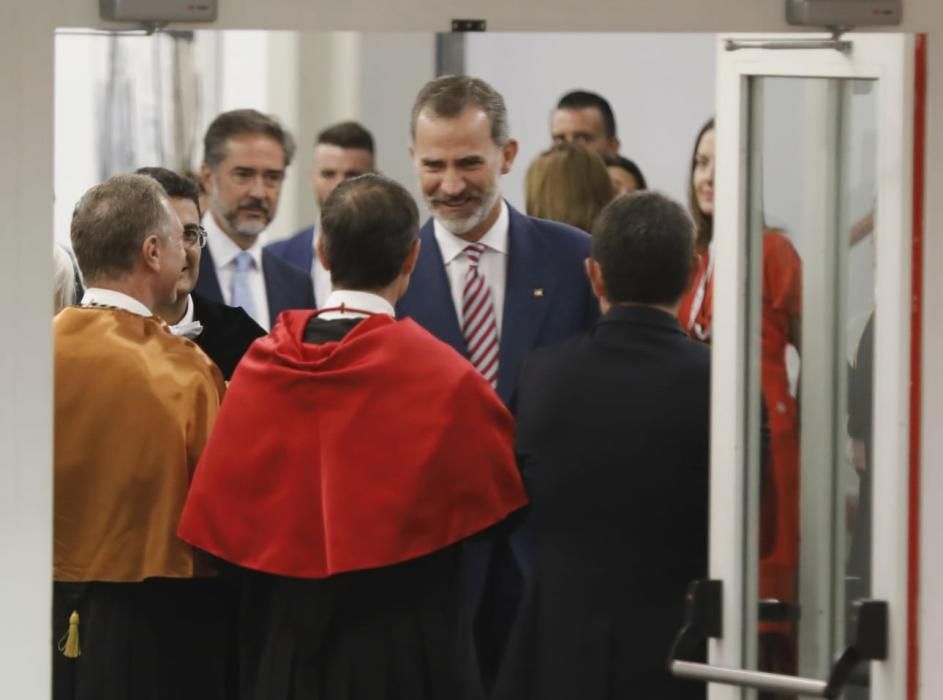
(810, 347)
(811, 195)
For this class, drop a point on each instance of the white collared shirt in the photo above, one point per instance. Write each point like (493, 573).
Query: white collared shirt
(186, 327)
(354, 302)
(320, 278)
(224, 251)
(188, 314)
(493, 264)
(96, 296)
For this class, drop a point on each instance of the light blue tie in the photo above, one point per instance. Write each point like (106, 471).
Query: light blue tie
(241, 294)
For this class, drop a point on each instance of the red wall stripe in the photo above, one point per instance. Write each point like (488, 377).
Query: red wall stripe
(916, 340)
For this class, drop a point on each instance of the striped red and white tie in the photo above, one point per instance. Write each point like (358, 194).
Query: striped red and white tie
(479, 324)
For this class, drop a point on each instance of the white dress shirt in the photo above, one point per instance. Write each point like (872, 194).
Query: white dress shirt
(96, 296)
(186, 327)
(224, 251)
(320, 278)
(493, 264)
(354, 303)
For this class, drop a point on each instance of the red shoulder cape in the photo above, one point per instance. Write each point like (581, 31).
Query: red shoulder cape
(334, 457)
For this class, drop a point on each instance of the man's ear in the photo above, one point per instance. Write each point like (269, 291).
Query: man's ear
(411, 258)
(322, 258)
(150, 251)
(615, 144)
(596, 281)
(508, 153)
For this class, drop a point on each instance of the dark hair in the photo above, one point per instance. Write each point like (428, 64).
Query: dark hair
(176, 186)
(644, 243)
(617, 161)
(347, 135)
(703, 224)
(111, 222)
(568, 183)
(368, 225)
(581, 99)
(237, 123)
(450, 95)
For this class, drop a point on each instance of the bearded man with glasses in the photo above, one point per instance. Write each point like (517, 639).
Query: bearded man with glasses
(223, 332)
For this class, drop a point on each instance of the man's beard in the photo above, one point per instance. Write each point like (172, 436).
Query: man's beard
(461, 225)
(252, 227)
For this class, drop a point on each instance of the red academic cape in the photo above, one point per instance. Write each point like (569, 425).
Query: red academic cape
(335, 457)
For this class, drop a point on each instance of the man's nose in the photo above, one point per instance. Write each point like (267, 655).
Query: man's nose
(257, 187)
(452, 183)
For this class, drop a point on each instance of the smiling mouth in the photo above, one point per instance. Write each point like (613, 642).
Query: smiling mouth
(455, 204)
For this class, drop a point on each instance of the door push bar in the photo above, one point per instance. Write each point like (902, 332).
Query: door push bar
(840, 45)
(703, 619)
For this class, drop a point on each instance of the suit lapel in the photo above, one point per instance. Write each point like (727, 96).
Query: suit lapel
(430, 276)
(276, 287)
(302, 250)
(208, 282)
(527, 294)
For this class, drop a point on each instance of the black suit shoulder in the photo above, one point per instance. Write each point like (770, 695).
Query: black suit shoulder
(228, 332)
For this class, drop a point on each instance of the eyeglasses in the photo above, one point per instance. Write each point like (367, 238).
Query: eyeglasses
(270, 178)
(194, 236)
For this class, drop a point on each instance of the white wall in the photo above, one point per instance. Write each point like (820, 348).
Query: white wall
(307, 80)
(660, 86)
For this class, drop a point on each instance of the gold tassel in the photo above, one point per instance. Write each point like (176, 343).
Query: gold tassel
(69, 644)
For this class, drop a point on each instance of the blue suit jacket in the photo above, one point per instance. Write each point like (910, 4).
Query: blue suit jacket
(286, 287)
(297, 250)
(547, 296)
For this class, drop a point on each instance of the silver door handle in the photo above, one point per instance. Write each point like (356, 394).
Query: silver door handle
(703, 620)
(771, 682)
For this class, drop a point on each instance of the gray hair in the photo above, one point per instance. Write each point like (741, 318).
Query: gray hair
(237, 123)
(450, 95)
(111, 222)
(64, 275)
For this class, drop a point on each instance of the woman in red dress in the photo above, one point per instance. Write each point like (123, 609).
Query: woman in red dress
(782, 303)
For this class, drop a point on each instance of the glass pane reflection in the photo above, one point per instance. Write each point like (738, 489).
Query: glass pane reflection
(811, 206)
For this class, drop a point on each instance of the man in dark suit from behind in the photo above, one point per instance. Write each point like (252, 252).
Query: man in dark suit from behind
(223, 332)
(612, 439)
(245, 157)
(341, 152)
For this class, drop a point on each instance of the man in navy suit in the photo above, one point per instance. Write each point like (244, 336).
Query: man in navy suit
(244, 160)
(492, 283)
(341, 151)
(533, 269)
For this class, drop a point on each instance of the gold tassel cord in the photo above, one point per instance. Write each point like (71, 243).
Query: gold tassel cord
(69, 644)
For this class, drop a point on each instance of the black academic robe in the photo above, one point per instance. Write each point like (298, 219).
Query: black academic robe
(228, 331)
(612, 437)
(151, 640)
(401, 631)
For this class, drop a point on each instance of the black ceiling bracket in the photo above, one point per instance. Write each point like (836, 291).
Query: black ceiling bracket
(469, 25)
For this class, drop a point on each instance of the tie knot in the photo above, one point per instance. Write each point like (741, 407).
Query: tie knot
(474, 252)
(244, 261)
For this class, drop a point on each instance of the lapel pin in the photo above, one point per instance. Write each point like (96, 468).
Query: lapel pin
(539, 292)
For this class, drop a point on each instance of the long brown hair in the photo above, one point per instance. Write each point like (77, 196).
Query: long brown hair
(569, 183)
(703, 224)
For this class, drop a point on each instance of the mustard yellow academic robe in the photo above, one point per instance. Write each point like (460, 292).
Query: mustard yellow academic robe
(134, 406)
